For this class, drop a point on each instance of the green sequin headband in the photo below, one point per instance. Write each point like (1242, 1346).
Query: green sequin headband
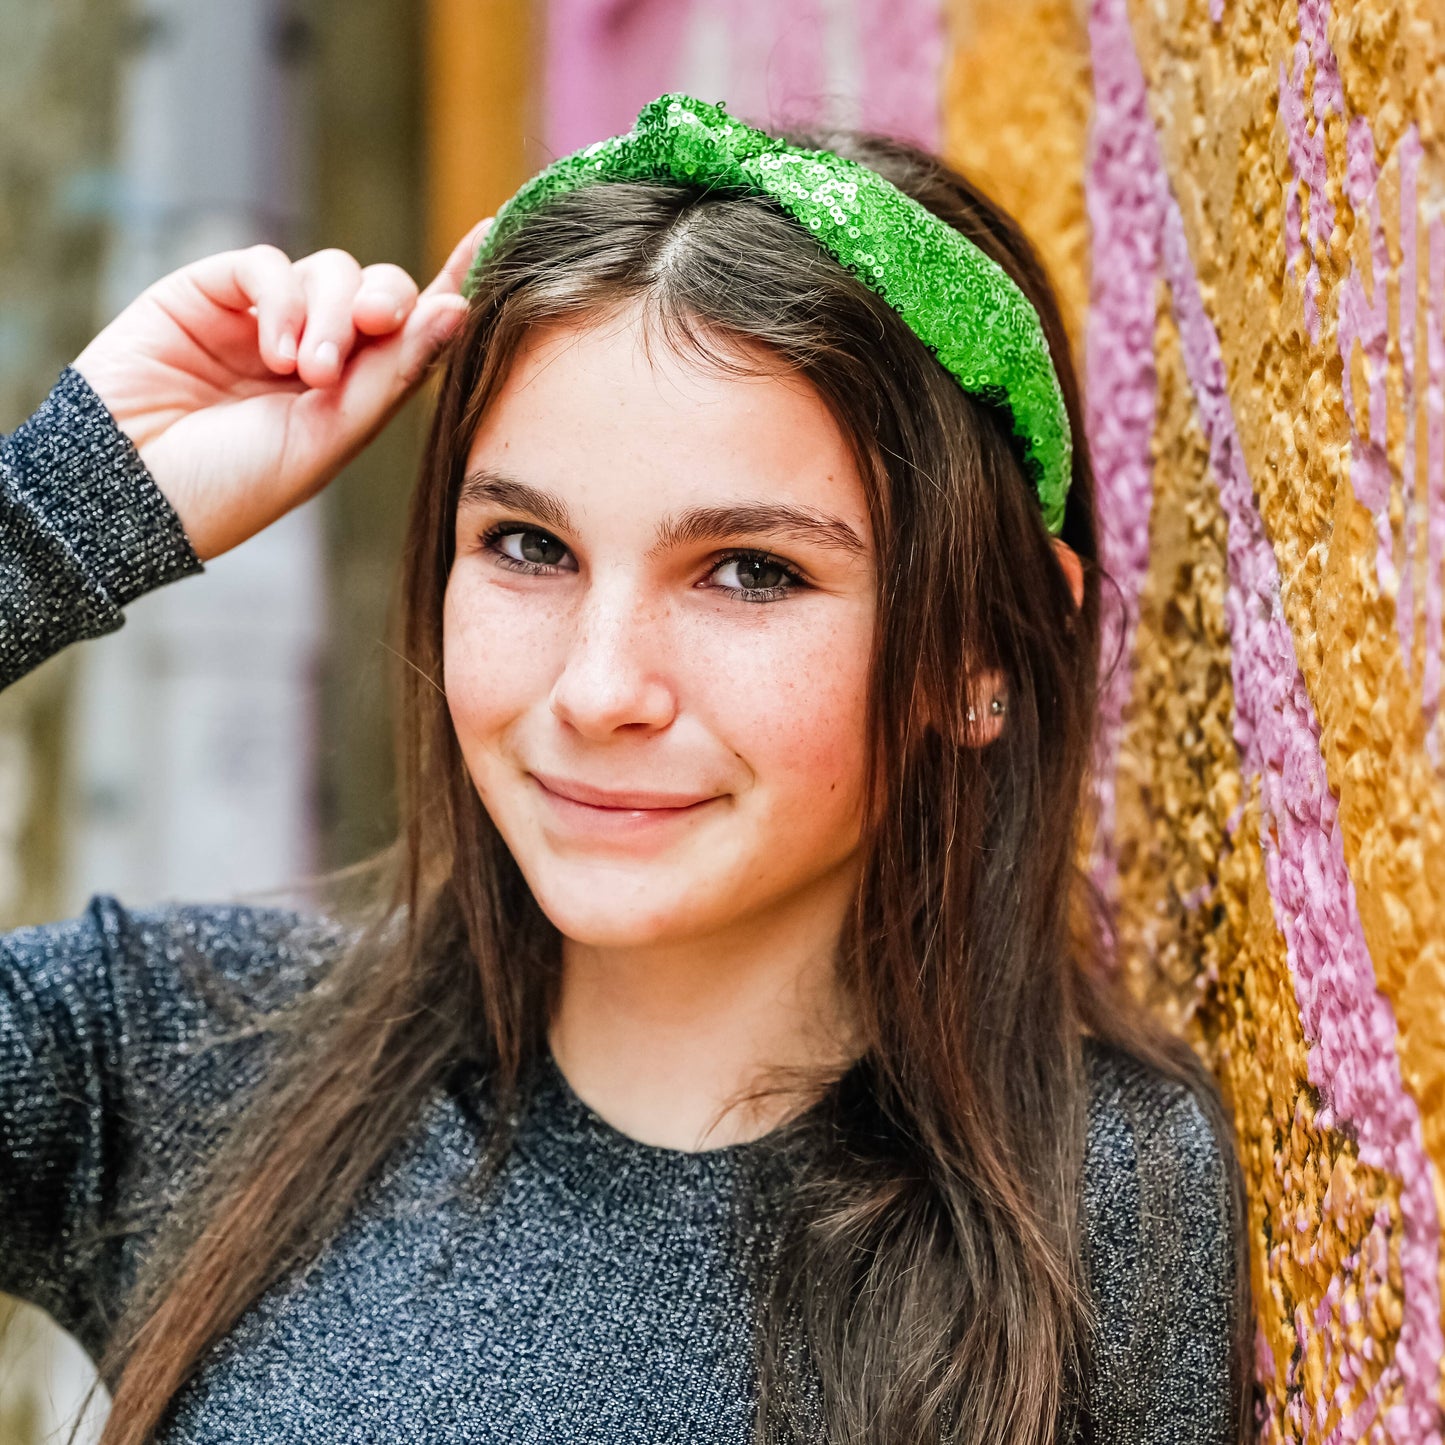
(961, 304)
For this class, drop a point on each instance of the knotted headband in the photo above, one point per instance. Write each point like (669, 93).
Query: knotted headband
(959, 302)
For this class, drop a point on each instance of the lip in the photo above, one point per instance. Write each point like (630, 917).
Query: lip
(633, 801)
(638, 822)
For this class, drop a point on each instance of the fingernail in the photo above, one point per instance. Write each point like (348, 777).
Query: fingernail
(328, 355)
(286, 346)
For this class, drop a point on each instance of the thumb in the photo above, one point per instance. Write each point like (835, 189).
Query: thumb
(453, 274)
(430, 327)
(380, 376)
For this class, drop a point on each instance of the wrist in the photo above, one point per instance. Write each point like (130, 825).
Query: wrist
(85, 477)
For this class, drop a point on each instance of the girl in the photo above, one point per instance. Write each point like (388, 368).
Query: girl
(720, 1054)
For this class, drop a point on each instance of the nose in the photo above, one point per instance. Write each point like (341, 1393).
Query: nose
(616, 672)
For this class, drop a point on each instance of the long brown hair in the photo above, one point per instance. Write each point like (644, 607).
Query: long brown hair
(939, 1177)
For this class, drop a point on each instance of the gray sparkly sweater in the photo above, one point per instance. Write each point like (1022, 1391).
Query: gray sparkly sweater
(596, 1292)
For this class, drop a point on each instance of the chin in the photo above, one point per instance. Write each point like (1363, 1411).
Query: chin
(625, 906)
(607, 922)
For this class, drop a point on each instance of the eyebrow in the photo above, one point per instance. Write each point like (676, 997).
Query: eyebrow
(485, 486)
(697, 524)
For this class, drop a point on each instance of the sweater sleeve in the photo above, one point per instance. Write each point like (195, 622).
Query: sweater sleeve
(1162, 1224)
(84, 529)
(126, 1038)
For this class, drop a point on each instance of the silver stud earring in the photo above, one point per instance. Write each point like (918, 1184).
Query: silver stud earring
(997, 706)
(971, 717)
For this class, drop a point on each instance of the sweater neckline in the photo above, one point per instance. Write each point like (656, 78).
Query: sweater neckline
(567, 1134)
(567, 1141)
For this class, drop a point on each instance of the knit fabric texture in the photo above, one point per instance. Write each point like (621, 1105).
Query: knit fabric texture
(600, 1290)
(83, 528)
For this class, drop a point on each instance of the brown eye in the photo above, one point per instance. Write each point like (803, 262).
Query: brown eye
(538, 547)
(755, 573)
(531, 548)
(755, 577)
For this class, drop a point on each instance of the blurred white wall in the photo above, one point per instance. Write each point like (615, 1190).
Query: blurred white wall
(193, 728)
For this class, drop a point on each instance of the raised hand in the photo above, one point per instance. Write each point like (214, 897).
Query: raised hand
(247, 380)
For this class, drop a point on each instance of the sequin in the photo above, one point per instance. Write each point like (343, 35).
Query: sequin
(958, 302)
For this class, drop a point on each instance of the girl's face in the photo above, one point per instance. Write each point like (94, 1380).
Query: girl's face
(657, 633)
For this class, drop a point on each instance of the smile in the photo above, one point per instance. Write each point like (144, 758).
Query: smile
(578, 808)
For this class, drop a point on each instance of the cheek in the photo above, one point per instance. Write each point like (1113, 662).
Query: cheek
(790, 698)
(496, 656)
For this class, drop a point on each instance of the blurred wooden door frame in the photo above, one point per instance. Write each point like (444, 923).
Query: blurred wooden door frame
(483, 61)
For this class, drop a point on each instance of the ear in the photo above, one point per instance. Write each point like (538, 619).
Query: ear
(984, 721)
(1073, 567)
(987, 708)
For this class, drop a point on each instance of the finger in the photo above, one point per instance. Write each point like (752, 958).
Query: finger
(450, 279)
(261, 279)
(330, 280)
(386, 372)
(386, 298)
(432, 325)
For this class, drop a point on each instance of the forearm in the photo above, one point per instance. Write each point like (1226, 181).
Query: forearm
(83, 529)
